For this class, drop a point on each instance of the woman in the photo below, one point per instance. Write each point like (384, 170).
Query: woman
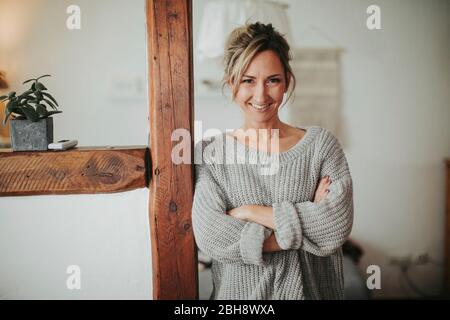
(278, 235)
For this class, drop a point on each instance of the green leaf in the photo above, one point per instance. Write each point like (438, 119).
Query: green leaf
(26, 81)
(45, 75)
(12, 94)
(40, 86)
(49, 103)
(11, 105)
(7, 113)
(29, 106)
(3, 98)
(48, 95)
(15, 110)
(26, 93)
(33, 86)
(26, 99)
(18, 111)
(6, 119)
(30, 113)
(38, 95)
(41, 110)
(49, 113)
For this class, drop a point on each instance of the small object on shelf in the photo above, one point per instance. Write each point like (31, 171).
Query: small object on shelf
(63, 144)
(31, 123)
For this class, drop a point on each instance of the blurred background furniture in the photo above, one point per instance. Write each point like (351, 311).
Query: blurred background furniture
(447, 232)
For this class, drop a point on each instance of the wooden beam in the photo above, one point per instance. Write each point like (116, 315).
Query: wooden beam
(75, 171)
(169, 40)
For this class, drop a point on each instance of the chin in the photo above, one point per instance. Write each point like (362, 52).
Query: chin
(255, 117)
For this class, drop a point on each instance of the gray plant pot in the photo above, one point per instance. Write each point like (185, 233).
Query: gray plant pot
(31, 136)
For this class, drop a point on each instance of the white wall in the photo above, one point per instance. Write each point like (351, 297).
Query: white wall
(396, 112)
(98, 72)
(98, 77)
(107, 236)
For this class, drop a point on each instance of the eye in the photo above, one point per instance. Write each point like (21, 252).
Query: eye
(247, 81)
(274, 80)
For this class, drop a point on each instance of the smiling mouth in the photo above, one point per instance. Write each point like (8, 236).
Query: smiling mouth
(260, 107)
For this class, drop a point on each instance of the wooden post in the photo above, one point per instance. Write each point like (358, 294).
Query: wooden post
(169, 41)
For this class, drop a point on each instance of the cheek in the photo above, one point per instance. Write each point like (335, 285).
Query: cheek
(242, 95)
(277, 93)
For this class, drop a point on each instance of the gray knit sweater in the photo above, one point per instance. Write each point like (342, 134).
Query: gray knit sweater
(310, 234)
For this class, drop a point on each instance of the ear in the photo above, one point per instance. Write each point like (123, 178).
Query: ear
(229, 83)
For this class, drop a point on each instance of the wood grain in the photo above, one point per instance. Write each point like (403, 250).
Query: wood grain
(75, 171)
(174, 259)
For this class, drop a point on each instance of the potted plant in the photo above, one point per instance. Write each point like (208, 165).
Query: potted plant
(31, 127)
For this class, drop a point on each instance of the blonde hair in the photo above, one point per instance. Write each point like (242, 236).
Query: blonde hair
(244, 43)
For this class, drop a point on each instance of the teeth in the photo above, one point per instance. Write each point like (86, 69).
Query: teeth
(259, 107)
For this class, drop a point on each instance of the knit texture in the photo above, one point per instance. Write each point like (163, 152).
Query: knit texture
(310, 234)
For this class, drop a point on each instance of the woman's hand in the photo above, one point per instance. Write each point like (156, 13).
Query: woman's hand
(254, 213)
(240, 213)
(322, 190)
(264, 215)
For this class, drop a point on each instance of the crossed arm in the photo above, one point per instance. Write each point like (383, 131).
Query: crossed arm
(264, 215)
(243, 234)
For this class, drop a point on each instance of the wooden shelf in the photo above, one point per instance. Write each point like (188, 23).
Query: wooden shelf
(83, 170)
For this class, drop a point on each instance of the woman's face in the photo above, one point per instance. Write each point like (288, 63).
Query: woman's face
(261, 89)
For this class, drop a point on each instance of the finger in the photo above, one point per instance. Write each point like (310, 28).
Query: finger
(321, 188)
(321, 194)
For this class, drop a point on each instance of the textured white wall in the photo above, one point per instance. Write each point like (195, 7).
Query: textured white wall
(106, 235)
(395, 110)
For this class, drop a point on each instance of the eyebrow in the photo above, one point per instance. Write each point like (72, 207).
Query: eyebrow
(251, 77)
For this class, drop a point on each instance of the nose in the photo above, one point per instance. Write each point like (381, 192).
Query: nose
(260, 95)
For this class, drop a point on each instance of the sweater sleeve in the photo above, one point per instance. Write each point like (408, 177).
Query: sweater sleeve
(218, 235)
(319, 228)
